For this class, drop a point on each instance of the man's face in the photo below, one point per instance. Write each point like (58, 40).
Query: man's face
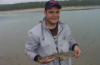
(52, 15)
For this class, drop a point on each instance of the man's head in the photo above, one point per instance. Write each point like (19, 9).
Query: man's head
(52, 11)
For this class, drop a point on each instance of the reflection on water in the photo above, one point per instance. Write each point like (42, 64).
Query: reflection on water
(13, 34)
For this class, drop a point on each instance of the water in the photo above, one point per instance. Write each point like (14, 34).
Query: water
(84, 25)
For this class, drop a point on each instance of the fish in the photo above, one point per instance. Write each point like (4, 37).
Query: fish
(62, 55)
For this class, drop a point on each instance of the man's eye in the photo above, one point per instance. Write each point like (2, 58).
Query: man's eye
(50, 12)
(57, 12)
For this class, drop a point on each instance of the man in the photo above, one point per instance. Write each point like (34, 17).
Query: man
(50, 36)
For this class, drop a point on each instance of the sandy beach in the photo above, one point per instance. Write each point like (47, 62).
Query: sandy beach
(69, 8)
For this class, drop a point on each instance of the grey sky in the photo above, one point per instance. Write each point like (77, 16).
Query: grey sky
(17, 1)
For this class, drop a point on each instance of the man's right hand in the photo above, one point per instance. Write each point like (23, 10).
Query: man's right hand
(45, 60)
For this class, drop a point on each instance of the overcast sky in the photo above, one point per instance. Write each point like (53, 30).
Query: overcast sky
(17, 1)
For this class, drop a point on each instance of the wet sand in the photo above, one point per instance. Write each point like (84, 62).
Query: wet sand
(63, 9)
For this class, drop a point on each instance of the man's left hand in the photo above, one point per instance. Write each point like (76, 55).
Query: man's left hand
(77, 51)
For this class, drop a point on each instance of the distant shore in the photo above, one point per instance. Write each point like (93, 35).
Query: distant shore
(69, 8)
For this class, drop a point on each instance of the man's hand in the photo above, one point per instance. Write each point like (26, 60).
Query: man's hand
(77, 51)
(46, 60)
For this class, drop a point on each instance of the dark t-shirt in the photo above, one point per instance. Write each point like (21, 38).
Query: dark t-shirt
(54, 31)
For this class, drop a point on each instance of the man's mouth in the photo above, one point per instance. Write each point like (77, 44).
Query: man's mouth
(54, 18)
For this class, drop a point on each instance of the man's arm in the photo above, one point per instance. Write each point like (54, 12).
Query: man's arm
(31, 48)
(31, 45)
(75, 47)
(73, 44)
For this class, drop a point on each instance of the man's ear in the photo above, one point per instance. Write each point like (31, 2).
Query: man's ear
(45, 12)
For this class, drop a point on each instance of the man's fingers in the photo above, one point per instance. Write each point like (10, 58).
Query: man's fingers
(77, 53)
(47, 60)
(50, 59)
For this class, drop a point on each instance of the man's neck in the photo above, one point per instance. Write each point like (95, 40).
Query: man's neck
(50, 25)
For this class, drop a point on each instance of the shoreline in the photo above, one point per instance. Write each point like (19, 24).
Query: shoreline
(69, 8)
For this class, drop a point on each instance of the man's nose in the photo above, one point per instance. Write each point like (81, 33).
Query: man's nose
(55, 14)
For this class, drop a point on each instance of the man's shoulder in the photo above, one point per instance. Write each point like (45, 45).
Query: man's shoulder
(36, 29)
(37, 26)
(65, 26)
(66, 29)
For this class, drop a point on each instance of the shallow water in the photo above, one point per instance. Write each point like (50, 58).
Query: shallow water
(84, 24)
